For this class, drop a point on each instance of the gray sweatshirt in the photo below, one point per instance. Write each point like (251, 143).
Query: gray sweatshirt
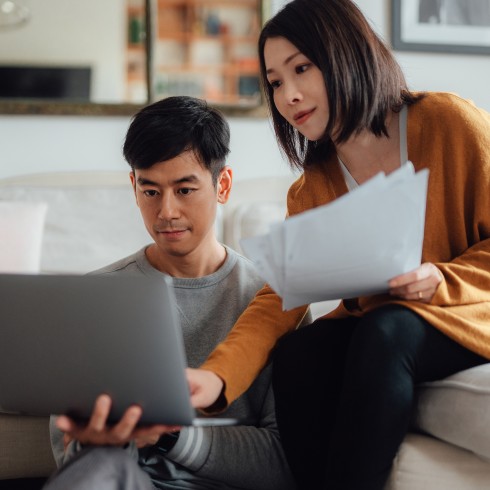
(248, 457)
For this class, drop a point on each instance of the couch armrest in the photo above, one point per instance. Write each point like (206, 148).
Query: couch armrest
(25, 448)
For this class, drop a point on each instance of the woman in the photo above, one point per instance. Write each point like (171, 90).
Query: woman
(344, 386)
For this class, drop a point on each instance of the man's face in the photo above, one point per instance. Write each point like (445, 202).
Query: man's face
(178, 201)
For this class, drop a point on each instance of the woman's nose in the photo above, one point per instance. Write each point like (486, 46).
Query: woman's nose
(293, 94)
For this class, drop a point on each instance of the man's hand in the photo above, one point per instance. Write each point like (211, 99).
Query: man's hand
(417, 285)
(97, 433)
(205, 386)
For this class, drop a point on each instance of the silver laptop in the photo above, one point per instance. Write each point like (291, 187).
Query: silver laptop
(65, 339)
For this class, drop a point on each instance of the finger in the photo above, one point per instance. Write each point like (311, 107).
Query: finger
(192, 375)
(64, 423)
(199, 399)
(146, 441)
(148, 436)
(123, 430)
(411, 290)
(99, 416)
(421, 296)
(419, 274)
(402, 280)
(67, 438)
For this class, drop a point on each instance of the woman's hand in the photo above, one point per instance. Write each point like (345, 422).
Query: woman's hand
(97, 433)
(205, 387)
(417, 285)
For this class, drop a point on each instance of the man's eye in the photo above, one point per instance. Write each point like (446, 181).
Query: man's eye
(185, 191)
(150, 193)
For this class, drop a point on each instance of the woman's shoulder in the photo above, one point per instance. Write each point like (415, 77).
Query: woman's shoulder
(447, 106)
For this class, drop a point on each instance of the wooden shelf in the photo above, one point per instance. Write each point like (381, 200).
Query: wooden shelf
(188, 68)
(188, 37)
(210, 3)
(223, 33)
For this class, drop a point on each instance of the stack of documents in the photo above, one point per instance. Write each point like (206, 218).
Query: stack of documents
(350, 247)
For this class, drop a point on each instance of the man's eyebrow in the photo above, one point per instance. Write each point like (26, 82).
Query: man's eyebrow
(186, 178)
(143, 181)
(286, 61)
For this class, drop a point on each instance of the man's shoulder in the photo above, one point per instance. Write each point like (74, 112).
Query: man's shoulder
(127, 265)
(238, 257)
(244, 265)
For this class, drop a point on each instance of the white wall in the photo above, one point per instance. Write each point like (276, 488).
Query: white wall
(47, 143)
(32, 144)
(465, 74)
(68, 33)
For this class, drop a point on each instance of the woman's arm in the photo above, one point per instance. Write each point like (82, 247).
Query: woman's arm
(241, 356)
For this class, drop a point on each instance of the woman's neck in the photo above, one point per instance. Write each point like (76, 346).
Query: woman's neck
(365, 154)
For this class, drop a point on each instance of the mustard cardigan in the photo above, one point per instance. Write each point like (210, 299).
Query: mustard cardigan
(451, 137)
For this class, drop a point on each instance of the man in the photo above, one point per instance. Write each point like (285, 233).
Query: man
(177, 149)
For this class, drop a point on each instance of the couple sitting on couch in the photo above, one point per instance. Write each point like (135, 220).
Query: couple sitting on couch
(344, 386)
(177, 149)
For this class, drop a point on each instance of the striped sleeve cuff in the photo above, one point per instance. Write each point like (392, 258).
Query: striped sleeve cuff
(192, 448)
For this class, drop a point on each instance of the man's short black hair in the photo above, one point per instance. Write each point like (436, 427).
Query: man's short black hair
(169, 127)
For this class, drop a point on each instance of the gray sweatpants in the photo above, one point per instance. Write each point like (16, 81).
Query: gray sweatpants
(101, 468)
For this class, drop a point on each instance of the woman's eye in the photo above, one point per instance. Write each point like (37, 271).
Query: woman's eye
(302, 68)
(275, 84)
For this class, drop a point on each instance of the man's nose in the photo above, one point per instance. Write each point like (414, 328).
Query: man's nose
(169, 208)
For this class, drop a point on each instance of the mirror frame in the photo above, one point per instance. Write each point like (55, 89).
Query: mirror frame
(62, 108)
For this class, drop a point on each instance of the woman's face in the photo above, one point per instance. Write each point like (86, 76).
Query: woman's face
(298, 87)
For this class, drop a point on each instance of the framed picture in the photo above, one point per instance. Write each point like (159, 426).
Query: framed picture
(444, 26)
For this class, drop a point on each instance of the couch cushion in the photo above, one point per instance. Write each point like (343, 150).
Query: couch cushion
(22, 225)
(251, 219)
(25, 448)
(457, 409)
(424, 463)
(87, 227)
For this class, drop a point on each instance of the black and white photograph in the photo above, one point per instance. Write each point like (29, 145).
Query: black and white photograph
(452, 26)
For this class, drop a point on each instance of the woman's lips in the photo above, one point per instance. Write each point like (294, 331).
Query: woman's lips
(301, 117)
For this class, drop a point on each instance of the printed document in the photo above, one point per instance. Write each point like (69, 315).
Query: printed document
(350, 247)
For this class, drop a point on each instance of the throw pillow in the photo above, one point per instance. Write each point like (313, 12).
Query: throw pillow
(22, 225)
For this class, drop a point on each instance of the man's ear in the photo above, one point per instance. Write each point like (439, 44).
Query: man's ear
(223, 185)
(132, 178)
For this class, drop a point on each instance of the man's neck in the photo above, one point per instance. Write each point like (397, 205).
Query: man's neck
(199, 263)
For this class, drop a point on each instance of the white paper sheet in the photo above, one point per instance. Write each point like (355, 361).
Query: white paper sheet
(350, 247)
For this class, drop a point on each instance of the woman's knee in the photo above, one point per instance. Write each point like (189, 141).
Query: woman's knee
(394, 329)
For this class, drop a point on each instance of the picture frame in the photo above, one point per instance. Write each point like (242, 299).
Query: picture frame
(441, 26)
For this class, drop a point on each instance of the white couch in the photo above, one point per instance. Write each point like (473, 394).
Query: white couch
(91, 220)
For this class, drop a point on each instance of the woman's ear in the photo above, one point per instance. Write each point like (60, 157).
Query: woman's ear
(223, 185)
